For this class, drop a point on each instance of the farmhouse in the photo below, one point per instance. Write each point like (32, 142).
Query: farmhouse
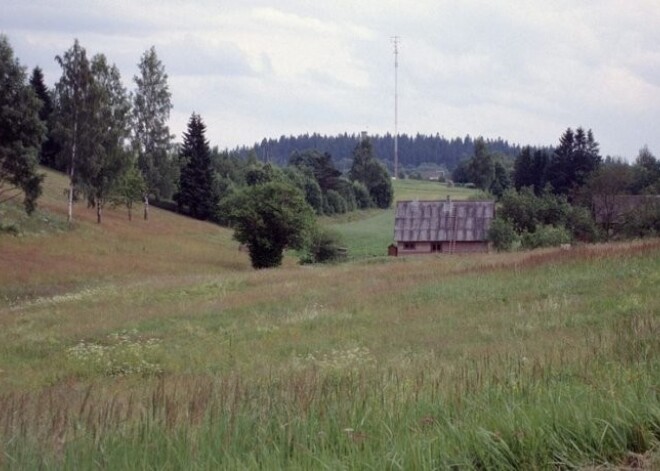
(445, 226)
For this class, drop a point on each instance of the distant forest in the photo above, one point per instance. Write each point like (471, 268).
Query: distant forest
(414, 151)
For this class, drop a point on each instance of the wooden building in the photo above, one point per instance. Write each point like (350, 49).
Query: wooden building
(445, 226)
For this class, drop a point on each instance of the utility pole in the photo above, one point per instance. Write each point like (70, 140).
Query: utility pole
(395, 40)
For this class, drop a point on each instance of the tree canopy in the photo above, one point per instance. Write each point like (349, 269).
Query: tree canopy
(372, 174)
(197, 195)
(21, 132)
(269, 218)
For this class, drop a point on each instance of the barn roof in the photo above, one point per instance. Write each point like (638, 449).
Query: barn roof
(445, 220)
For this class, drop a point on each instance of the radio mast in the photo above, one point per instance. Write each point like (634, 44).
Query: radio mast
(395, 40)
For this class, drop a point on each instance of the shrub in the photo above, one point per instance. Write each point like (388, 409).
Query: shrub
(334, 203)
(502, 234)
(325, 246)
(546, 236)
(362, 198)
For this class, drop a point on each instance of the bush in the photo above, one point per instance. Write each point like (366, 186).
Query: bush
(546, 236)
(325, 246)
(581, 225)
(334, 203)
(362, 198)
(502, 235)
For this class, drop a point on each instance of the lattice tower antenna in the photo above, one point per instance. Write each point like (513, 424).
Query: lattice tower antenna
(395, 40)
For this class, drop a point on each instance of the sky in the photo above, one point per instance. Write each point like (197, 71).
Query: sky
(520, 70)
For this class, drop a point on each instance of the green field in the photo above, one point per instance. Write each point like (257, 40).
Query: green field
(368, 233)
(153, 345)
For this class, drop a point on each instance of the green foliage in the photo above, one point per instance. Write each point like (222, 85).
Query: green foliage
(151, 139)
(325, 246)
(333, 203)
(197, 195)
(370, 172)
(533, 217)
(362, 198)
(576, 158)
(99, 171)
(50, 148)
(269, 218)
(502, 234)
(545, 236)
(21, 132)
(581, 225)
(645, 178)
(128, 189)
(484, 170)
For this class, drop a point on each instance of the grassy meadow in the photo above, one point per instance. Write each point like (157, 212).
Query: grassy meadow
(368, 233)
(153, 345)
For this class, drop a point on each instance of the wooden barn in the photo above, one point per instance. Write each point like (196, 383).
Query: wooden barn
(445, 226)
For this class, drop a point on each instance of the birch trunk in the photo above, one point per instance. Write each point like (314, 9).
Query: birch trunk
(71, 172)
(146, 207)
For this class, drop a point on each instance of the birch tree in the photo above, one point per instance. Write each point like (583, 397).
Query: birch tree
(74, 94)
(151, 111)
(110, 126)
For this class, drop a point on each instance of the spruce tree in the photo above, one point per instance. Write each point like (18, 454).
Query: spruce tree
(197, 196)
(50, 147)
(21, 132)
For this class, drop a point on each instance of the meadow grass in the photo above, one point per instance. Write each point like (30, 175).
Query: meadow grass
(368, 233)
(532, 360)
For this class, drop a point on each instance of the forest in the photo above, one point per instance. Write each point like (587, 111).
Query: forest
(116, 148)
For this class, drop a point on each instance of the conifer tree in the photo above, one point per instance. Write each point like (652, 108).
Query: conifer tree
(21, 132)
(197, 196)
(49, 148)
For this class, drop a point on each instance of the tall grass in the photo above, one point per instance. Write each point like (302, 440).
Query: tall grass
(153, 346)
(504, 362)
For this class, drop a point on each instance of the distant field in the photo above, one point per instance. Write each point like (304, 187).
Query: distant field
(155, 346)
(367, 234)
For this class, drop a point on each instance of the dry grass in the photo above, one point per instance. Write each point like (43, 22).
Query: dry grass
(126, 337)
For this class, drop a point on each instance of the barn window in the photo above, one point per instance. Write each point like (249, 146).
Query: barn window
(409, 246)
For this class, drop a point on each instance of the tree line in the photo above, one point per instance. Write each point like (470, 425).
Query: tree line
(115, 147)
(413, 151)
(550, 196)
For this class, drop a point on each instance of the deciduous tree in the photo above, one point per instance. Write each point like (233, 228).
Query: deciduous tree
(369, 171)
(269, 218)
(110, 122)
(74, 96)
(151, 111)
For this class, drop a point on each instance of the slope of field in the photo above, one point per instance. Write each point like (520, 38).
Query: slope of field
(52, 257)
(368, 233)
(186, 359)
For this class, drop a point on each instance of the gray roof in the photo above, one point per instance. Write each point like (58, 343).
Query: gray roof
(438, 221)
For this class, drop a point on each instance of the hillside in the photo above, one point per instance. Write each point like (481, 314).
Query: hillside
(152, 345)
(51, 257)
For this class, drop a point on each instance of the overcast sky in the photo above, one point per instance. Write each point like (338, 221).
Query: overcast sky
(520, 70)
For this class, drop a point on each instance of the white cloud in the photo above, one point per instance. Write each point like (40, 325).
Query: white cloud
(520, 70)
